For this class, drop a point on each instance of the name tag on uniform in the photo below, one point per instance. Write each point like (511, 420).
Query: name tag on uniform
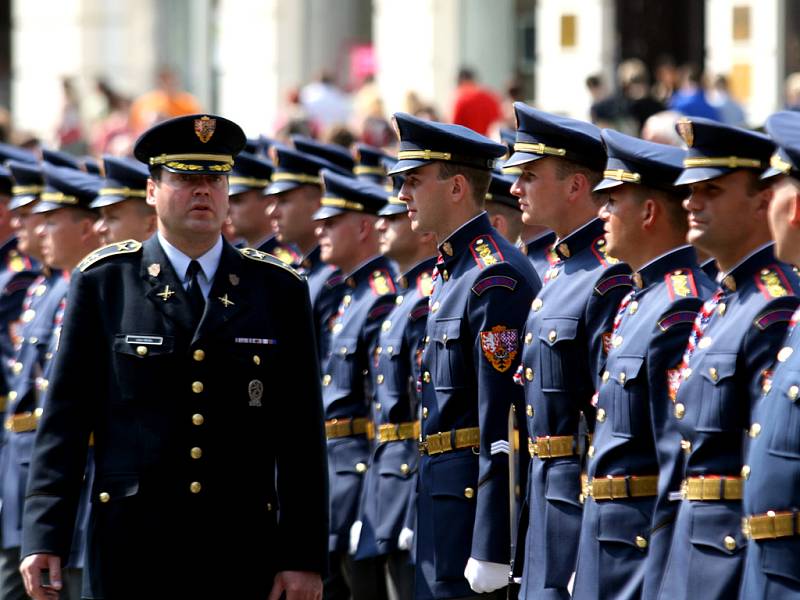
(262, 341)
(144, 340)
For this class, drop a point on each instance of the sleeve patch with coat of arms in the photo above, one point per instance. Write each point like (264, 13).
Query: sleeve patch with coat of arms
(500, 346)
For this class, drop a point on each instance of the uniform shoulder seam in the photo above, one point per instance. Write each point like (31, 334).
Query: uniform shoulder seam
(126, 247)
(266, 258)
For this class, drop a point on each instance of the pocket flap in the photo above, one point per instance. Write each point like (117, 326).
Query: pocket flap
(556, 329)
(564, 483)
(350, 456)
(718, 367)
(445, 331)
(626, 369)
(344, 346)
(455, 477)
(717, 526)
(143, 345)
(780, 557)
(112, 488)
(623, 523)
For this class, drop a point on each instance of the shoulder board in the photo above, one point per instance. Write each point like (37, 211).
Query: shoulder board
(285, 255)
(425, 284)
(494, 281)
(609, 283)
(676, 318)
(778, 315)
(485, 251)
(419, 312)
(263, 257)
(680, 284)
(334, 280)
(126, 247)
(380, 282)
(601, 254)
(380, 310)
(772, 283)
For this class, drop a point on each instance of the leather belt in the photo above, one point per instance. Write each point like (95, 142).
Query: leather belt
(3, 403)
(394, 432)
(22, 422)
(712, 487)
(338, 428)
(553, 446)
(625, 486)
(436, 443)
(771, 525)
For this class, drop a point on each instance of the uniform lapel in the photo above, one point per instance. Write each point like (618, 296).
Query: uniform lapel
(165, 290)
(226, 298)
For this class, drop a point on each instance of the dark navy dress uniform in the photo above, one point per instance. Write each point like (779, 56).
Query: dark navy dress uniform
(563, 349)
(124, 179)
(369, 296)
(185, 426)
(372, 164)
(718, 384)
(626, 505)
(483, 289)
(332, 153)
(540, 252)
(772, 489)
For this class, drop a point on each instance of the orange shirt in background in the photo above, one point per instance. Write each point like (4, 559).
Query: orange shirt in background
(157, 105)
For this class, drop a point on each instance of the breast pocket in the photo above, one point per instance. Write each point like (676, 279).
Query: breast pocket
(719, 406)
(249, 369)
(343, 366)
(448, 345)
(142, 364)
(628, 380)
(785, 415)
(557, 353)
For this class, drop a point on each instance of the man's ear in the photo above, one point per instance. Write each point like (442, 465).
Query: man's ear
(651, 210)
(458, 187)
(151, 192)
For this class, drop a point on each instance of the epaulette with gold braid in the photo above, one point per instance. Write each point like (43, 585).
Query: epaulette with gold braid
(126, 247)
(263, 257)
(680, 284)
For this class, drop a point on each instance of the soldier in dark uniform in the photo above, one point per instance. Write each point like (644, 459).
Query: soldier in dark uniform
(626, 507)
(483, 289)
(196, 458)
(503, 208)
(728, 356)
(297, 189)
(124, 214)
(390, 482)
(565, 336)
(250, 208)
(772, 489)
(348, 239)
(333, 153)
(372, 164)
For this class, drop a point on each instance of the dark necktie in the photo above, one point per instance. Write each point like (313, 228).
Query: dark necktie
(196, 298)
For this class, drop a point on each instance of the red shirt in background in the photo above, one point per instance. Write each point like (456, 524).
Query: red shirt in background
(475, 107)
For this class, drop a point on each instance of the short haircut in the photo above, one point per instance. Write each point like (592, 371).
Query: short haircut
(155, 172)
(512, 215)
(79, 213)
(567, 168)
(478, 179)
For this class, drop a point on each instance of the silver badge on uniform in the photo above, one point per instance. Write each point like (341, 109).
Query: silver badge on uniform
(255, 390)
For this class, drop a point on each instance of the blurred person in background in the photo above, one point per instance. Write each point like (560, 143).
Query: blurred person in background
(325, 103)
(792, 91)
(164, 102)
(730, 111)
(475, 106)
(69, 133)
(660, 128)
(634, 81)
(690, 99)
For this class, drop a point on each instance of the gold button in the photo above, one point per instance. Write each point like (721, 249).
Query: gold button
(195, 487)
(198, 355)
(379, 350)
(680, 410)
(606, 376)
(404, 469)
(785, 353)
(361, 467)
(686, 446)
(622, 377)
(713, 373)
(386, 325)
(424, 412)
(141, 350)
(196, 452)
(721, 309)
(105, 497)
(445, 275)
(377, 406)
(601, 415)
(730, 543)
(399, 300)
(617, 341)
(590, 452)
(426, 377)
(343, 350)
(793, 392)
(390, 349)
(686, 372)
(537, 305)
(347, 299)
(379, 379)
(197, 387)
(12, 395)
(705, 342)
(528, 338)
(745, 471)
(552, 335)
(444, 337)
(469, 492)
(269, 507)
(529, 374)
(435, 306)
(755, 429)
(529, 410)
(198, 419)
(641, 542)
(326, 379)
(17, 368)
(256, 359)
(633, 307)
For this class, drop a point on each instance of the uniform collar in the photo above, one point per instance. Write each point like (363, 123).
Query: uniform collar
(578, 240)
(654, 271)
(747, 267)
(410, 276)
(311, 259)
(459, 241)
(364, 270)
(541, 240)
(180, 261)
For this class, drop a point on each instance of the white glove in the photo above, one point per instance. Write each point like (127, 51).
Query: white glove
(405, 539)
(355, 535)
(485, 577)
